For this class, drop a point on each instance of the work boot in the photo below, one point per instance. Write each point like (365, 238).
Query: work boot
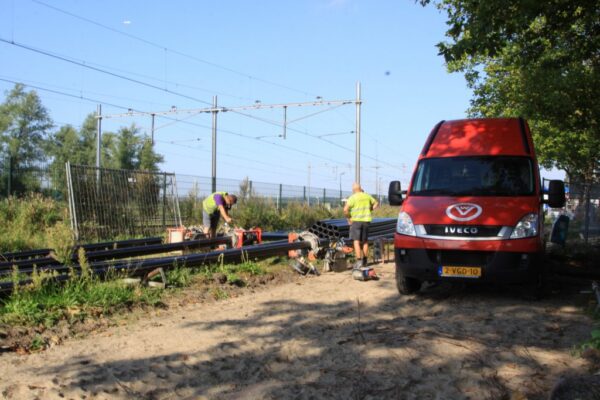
(357, 265)
(364, 261)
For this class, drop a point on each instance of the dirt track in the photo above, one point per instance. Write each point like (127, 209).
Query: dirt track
(325, 337)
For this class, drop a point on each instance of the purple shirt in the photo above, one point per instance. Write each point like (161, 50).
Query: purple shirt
(219, 200)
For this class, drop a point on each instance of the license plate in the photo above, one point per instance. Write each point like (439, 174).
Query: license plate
(460, 272)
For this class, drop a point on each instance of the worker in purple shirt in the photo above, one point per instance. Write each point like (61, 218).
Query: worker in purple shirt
(213, 207)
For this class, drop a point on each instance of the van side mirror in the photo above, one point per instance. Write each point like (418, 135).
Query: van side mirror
(556, 194)
(395, 193)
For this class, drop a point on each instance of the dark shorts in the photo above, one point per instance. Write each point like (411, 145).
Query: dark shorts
(211, 220)
(359, 231)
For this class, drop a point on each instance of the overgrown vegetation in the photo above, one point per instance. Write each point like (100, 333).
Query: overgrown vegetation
(45, 302)
(38, 222)
(33, 222)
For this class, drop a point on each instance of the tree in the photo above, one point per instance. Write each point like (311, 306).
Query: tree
(537, 59)
(24, 129)
(148, 159)
(128, 147)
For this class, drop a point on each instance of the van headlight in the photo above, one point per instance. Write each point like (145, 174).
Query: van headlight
(527, 227)
(405, 225)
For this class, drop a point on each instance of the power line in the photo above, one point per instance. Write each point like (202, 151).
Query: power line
(166, 49)
(141, 83)
(186, 122)
(84, 65)
(278, 166)
(20, 80)
(81, 97)
(205, 126)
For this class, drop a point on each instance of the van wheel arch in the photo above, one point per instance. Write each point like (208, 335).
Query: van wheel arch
(406, 285)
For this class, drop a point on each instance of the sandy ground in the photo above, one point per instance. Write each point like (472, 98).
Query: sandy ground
(322, 337)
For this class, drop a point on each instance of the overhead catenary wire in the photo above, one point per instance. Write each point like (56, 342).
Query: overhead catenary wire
(174, 120)
(226, 131)
(120, 76)
(101, 70)
(82, 64)
(167, 49)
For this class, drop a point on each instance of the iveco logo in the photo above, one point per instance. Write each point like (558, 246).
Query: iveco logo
(460, 230)
(463, 211)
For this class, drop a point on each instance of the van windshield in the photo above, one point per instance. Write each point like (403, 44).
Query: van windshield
(474, 176)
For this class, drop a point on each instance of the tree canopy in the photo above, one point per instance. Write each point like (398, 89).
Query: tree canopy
(536, 59)
(29, 138)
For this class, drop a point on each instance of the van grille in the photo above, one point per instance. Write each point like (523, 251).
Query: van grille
(463, 230)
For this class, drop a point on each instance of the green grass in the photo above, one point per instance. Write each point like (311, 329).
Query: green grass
(28, 223)
(38, 222)
(49, 302)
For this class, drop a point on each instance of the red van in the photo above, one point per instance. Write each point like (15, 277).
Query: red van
(473, 210)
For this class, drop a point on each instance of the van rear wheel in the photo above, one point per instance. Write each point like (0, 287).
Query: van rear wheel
(405, 284)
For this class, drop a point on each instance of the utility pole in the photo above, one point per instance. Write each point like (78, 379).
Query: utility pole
(214, 146)
(98, 142)
(152, 129)
(214, 110)
(284, 121)
(308, 197)
(341, 173)
(357, 159)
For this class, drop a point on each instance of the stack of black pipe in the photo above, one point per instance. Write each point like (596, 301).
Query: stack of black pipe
(27, 266)
(140, 267)
(340, 228)
(118, 244)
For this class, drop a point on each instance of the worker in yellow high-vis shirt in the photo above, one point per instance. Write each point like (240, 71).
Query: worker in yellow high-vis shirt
(358, 209)
(216, 205)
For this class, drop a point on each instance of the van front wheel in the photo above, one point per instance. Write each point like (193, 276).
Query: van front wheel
(405, 284)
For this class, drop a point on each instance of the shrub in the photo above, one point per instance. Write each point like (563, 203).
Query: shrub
(25, 222)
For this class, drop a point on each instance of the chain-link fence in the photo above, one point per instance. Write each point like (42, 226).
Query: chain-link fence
(281, 194)
(107, 203)
(191, 190)
(41, 178)
(17, 179)
(583, 208)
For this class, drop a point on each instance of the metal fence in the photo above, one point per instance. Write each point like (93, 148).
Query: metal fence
(107, 203)
(18, 179)
(585, 215)
(42, 178)
(281, 194)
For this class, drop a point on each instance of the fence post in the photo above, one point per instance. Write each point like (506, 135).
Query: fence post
(324, 196)
(249, 194)
(304, 193)
(164, 207)
(9, 177)
(587, 192)
(279, 198)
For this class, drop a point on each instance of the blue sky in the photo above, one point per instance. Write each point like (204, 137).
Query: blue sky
(244, 51)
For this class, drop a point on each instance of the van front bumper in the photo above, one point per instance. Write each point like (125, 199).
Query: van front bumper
(496, 266)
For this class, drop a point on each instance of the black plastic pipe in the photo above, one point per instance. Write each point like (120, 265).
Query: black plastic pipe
(141, 267)
(26, 266)
(14, 256)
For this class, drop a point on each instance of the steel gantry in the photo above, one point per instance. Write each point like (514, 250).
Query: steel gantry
(215, 110)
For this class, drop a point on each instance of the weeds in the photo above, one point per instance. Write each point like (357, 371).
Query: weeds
(37, 343)
(25, 221)
(48, 302)
(59, 237)
(219, 294)
(180, 276)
